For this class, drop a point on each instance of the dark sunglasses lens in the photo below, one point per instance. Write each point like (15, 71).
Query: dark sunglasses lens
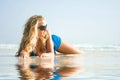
(42, 27)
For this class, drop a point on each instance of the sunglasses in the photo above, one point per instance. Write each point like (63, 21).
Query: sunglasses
(42, 27)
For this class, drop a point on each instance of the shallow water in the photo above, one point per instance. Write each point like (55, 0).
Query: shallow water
(93, 65)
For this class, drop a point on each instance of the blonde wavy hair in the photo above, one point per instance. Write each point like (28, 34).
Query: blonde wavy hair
(30, 38)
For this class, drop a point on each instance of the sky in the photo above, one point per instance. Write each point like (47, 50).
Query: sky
(75, 21)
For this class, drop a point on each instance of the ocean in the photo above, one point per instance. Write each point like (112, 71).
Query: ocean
(99, 62)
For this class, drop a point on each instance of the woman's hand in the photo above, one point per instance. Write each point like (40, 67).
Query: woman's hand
(47, 55)
(24, 55)
(24, 60)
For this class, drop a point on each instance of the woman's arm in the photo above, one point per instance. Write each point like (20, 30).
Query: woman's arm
(49, 48)
(49, 44)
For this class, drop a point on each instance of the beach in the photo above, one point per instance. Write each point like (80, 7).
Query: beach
(97, 63)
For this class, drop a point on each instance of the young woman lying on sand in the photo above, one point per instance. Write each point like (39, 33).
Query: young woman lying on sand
(38, 41)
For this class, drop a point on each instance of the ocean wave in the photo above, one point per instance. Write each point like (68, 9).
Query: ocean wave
(80, 46)
(98, 47)
(8, 46)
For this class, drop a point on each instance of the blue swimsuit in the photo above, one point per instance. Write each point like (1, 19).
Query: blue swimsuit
(56, 41)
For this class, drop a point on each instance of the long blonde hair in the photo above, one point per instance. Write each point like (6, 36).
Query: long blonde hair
(30, 36)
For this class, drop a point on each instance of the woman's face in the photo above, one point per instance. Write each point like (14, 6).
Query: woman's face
(41, 33)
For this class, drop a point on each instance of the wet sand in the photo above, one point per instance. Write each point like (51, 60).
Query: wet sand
(93, 65)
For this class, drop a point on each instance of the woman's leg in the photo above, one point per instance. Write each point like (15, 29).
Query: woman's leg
(66, 48)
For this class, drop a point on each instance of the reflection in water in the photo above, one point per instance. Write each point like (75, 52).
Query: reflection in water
(35, 68)
(69, 65)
